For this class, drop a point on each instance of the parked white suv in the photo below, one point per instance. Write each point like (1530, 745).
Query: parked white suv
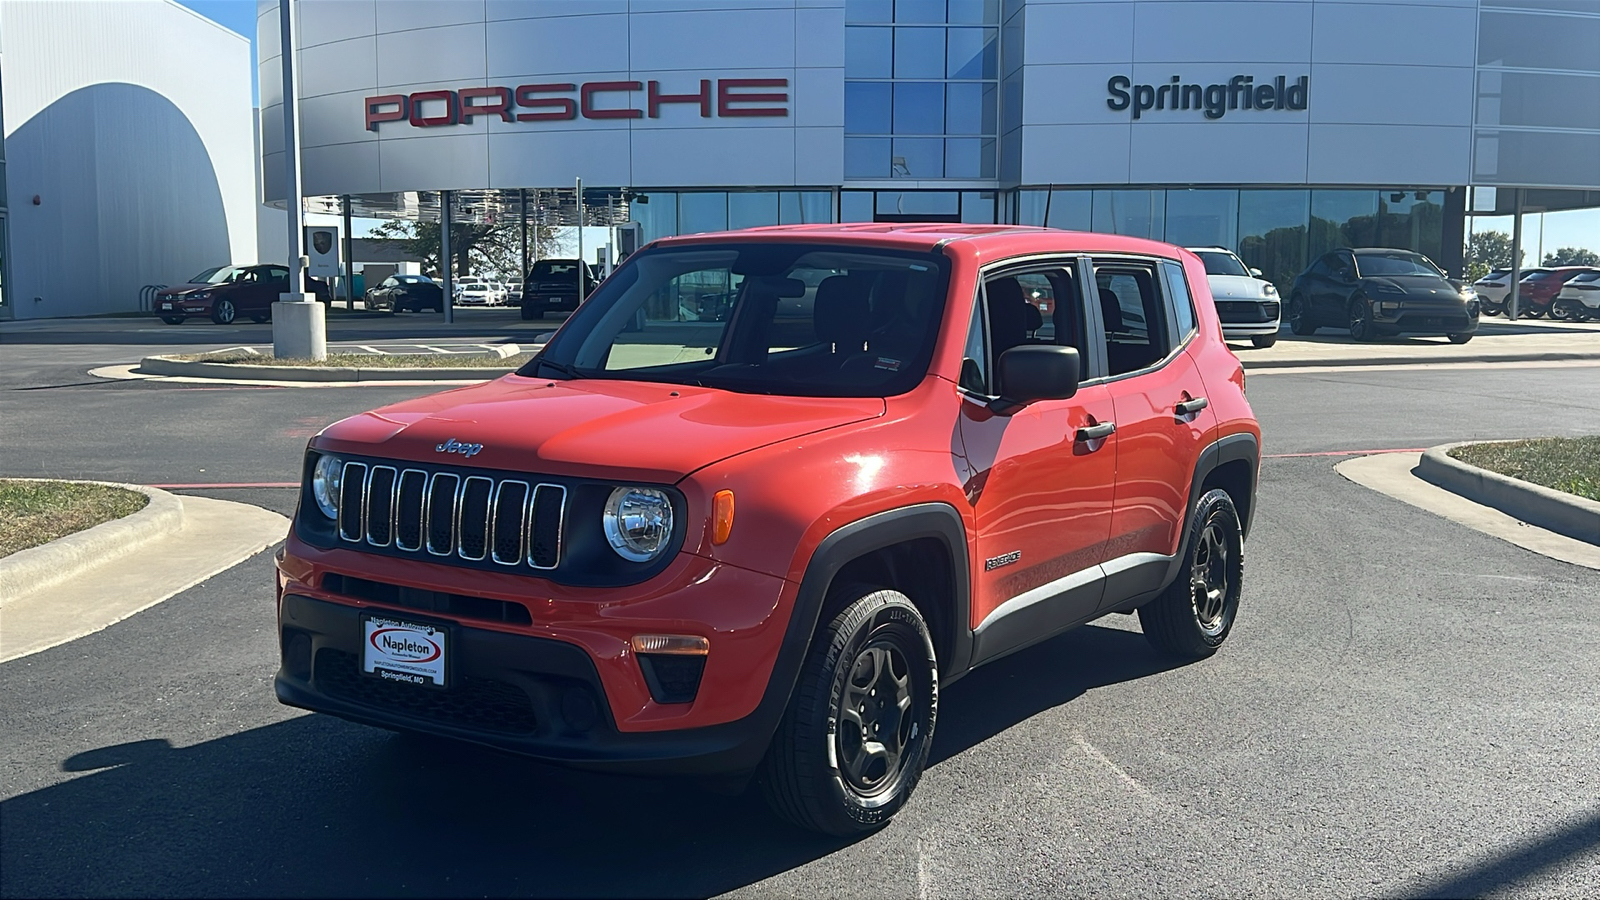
(1247, 304)
(1579, 299)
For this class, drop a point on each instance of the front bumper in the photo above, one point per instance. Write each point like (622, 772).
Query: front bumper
(378, 304)
(180, 306)
(1232, 330)
(564, 686)
(552, 301)
(1425, 321)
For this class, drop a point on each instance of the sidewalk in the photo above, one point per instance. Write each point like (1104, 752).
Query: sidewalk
(1497, 340)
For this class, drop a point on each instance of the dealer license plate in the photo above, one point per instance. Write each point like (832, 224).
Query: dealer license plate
(403, 652)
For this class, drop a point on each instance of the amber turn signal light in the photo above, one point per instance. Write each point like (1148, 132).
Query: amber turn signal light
(721, 517)
(671, 644)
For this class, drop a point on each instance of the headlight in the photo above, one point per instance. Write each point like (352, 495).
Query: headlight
(1467, 293)
(326, 479)
(1389, 289)
(638, 522)
(1268, 289)
(203, 295)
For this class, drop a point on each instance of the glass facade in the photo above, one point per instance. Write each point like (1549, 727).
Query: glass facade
(666, 213)
(1277, 231)
(921, 89)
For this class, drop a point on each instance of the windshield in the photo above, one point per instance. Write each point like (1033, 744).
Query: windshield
(217, 275)
(410, 279)
(1396, 263)
(789, 319)
(554, 268)
(1220, 263)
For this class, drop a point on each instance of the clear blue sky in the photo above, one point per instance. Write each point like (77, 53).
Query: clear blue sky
(1579, 228)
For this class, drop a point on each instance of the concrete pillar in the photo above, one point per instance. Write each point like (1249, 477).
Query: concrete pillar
(299, 327)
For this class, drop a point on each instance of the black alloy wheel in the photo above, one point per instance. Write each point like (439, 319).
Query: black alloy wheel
(1300, 317)
(223, 311)
(1194, 614)
(1361, 328)
(855, 738)
(172, 320)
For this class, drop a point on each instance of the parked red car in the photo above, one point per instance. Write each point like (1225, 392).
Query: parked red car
(224, 293)
(762, 544)
(1537, 291)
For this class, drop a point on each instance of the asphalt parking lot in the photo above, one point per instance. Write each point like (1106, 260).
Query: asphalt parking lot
(1403, 710)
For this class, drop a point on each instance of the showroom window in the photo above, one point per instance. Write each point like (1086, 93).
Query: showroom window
(921, 89)
(666, 213)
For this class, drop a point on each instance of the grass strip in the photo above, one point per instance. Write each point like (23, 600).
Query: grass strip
(38, 512)
(369, 360)
(1564, 464)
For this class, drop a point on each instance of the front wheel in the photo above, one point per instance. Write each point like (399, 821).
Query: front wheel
(1361, 321)
(223, 312)
(856, 735)
(1530, 313)
(1263, 341)
(1460, 338)
(1192, 617)
(1300, 317)
(172, 320)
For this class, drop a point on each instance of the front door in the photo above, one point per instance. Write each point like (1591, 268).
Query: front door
(1038, 561)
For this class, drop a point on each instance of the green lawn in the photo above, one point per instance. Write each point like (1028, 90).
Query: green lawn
(1565, 464)
(37, 512)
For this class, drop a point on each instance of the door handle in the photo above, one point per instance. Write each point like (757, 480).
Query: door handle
(1096, 432)
(1189, 407)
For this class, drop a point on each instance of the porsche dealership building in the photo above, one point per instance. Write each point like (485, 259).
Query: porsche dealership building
(1278, 128)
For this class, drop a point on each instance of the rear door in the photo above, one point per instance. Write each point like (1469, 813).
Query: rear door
(1041, 479)
(1159, 407)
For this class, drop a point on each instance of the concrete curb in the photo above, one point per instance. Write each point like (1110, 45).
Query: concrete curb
(1557, 511)
(1415, 360)
(162, 365)
(29, 571)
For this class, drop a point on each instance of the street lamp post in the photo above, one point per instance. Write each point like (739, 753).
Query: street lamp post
(299, 323)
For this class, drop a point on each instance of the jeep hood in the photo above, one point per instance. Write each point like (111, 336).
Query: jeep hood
(599, 428)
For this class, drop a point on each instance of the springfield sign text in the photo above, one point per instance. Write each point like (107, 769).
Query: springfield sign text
(1241, 92)
(565, 101)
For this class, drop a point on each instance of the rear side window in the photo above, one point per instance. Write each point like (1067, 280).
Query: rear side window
(1131, 310)
(1037, 305)
(1182, 304)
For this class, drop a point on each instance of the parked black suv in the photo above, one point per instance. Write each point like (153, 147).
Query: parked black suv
(1379, 291)
(553, 284)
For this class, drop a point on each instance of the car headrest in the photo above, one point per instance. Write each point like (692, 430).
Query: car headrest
(1111, 309)
(839, 314)
(1035, 318)
(1008, 316)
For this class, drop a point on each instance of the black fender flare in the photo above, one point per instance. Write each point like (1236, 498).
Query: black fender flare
(1229, 448)
(939, 521)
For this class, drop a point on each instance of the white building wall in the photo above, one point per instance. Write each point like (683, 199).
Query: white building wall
(353, 49)
(130, 121)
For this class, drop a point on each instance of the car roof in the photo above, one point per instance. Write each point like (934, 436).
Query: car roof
(929, 236)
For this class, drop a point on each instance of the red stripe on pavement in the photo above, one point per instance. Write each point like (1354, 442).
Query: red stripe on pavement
(1344, 453)
(227, 484)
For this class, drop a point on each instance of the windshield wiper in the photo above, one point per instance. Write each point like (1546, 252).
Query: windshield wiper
(563, 369)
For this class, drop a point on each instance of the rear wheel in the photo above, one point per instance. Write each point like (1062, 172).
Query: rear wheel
(1192, 617)
(1566, 310)
(223, 312)
(1460, 338)
(1531, 313)
(856, 735)
(1361, 321)
(1300, 317)
(172, 320)
(1263, 341)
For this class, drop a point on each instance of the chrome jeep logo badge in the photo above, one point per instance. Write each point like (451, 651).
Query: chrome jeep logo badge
(455, 446)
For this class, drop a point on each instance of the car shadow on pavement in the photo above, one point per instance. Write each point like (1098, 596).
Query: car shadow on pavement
(316, 806)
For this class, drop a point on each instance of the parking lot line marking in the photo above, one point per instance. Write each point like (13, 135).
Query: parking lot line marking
(1341, 453)
(372, 349)
(435, 349)
(1127, 779)
(227, 484)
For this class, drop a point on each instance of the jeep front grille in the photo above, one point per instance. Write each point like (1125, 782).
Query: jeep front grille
(443, 514)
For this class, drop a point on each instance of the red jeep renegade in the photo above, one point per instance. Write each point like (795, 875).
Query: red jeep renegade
(759, 542)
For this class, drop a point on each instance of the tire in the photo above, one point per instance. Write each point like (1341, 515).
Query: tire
(1459, 338)
(1179, 623)
(824, 777)
(1263, 341)
(1299, 317)
(260, 319)
(1491, 308)
(1566, 311)
(223, 312)
(1531, 313)
(1361, 329)
(172, 320)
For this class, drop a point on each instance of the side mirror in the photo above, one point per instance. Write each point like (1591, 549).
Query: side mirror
(1036, 372)
(1255, 272)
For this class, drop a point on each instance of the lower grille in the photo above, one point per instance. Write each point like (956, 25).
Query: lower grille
(1247, 311)
(475, 703)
